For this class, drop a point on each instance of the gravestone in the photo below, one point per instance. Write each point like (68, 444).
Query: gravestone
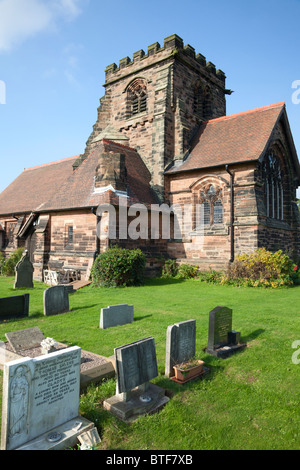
(136, 365)
(181, 344)
(222, 340)
(56, 300)
(41, 401)
(24, 272)
(14, 307)
(116, 315)
(22, 340)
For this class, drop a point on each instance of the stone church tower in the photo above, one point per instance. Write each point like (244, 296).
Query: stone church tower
(156, 102)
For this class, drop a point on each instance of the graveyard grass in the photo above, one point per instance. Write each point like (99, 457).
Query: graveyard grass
(248, 401)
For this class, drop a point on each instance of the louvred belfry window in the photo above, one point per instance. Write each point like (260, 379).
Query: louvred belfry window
(137, 96)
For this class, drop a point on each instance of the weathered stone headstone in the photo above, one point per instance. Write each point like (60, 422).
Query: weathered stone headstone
(41, 401)
(116, 315)
(14, 307)
(222, 341)
(180, 345)
(24, 272)
(25, 339)
(56, 300)
(136, 365)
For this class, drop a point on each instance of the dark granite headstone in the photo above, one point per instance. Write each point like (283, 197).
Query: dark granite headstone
(14, 307)
(24, 273)
(56, 300)
(136, 365)
(222, 341)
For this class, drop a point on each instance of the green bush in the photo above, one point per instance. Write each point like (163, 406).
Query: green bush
(170, 268)
(262, 269)
(187, 271)
(179, 271)
(119, 267)
(8, 266)
(2, 261)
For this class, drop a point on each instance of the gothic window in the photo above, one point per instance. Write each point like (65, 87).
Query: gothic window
(137, 97)
(273, 188)
(211, 206)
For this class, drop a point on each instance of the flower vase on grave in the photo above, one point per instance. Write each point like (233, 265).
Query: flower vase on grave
(48, 346)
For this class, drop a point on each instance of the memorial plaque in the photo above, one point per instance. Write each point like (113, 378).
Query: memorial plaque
(181, 344)
(38, 395)
(25, 339)
(116, 315)
(135, 364)
(220, 324)
(14, 307)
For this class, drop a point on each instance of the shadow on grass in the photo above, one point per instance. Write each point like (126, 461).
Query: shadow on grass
(173, 388)
(73, 309)
(252, 336)
(141, 318)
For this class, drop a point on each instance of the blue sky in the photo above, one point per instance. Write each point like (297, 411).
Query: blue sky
(53, 54)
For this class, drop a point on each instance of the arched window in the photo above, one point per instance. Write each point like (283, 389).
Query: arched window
(211, 206)
(137, 97)
(273, 188)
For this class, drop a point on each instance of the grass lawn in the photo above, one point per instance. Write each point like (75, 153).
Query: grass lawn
(248, 401)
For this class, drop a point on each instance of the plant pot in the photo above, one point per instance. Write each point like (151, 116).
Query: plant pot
(186, 373)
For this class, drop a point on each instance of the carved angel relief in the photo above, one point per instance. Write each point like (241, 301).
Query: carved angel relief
(19, 398)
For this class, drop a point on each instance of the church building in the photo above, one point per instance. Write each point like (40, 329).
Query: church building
(162, 140)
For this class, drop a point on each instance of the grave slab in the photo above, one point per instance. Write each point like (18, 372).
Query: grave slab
(24, 273)
(56, 300)
(16, 306)
(135, 395)
(180, 344)
(115, 315)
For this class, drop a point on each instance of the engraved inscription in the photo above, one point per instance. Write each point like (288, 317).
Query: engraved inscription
(223, 324)
(55, 379)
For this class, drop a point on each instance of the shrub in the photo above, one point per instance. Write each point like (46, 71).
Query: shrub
(170, 268)
(181, 271)
(119, 267)
(2, 261)
(262, 269)
(187, 271)
(8, 266)
(211, 276)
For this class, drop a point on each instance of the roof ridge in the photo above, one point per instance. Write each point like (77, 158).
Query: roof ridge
(280, 104)
(51, 163)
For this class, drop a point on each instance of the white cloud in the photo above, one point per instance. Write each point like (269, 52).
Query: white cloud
(21, 19)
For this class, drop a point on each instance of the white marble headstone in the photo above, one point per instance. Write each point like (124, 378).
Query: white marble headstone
(39, 394)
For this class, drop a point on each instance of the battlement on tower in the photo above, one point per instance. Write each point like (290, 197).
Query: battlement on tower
(173, 48)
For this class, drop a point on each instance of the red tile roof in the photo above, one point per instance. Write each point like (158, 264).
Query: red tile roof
(57, 186)
(232, 139)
